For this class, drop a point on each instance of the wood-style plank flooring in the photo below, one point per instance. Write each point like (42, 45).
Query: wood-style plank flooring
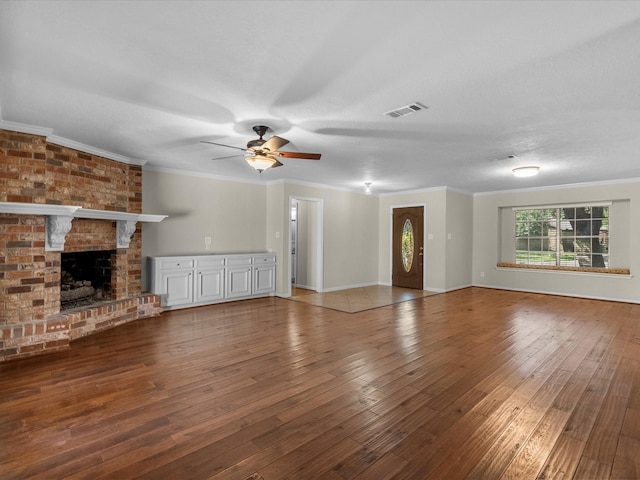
(471, 384)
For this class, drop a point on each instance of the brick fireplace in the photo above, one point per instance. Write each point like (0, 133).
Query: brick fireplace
(36, 171)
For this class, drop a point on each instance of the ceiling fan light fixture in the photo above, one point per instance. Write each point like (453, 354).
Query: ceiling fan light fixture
(528, 171)
(261, 162)
(367, 188)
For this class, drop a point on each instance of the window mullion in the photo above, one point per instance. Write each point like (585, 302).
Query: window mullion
(558, 237)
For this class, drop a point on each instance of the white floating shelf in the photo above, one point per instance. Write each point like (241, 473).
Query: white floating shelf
(76, 212)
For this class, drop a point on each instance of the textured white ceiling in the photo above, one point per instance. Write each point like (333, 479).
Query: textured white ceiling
(555, 83)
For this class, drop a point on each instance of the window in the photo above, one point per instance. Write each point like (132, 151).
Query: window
(407, 246)
(572, 236)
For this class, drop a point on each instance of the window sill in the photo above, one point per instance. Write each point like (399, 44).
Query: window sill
(622, 272)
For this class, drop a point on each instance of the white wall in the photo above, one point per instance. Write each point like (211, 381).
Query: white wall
(624, 231)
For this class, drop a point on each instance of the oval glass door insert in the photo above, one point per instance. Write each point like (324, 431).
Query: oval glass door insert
(407, 245)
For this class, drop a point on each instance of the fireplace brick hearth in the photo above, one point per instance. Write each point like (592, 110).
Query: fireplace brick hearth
(33, 170)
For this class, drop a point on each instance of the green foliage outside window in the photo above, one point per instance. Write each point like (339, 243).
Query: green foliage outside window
(571, 236)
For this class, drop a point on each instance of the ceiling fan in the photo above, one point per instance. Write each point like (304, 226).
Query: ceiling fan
(262, 154)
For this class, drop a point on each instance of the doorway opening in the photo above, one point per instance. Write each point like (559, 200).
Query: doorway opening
(305, 244)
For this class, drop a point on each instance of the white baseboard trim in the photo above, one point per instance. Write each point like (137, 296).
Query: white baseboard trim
(459, 287)
(560, 294)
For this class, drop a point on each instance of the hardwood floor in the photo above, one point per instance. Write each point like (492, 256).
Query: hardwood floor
(472, 384)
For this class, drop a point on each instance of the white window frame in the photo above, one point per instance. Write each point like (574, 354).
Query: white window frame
(558, 236)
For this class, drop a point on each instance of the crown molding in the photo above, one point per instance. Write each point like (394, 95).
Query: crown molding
(23, 128)
(323, 186)
(188, 173)
(417, 191)
(599, 183)
(65, 142)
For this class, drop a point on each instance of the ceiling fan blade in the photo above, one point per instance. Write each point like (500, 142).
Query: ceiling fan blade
(274, 143)
(305, 156)
(277, 164)
(228, 156)
(223, 145)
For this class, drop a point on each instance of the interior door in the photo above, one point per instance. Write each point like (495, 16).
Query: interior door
(408, 247)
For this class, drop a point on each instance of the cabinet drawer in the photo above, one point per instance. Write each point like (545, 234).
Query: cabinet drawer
(239, 260)
(173, 264)
(210, 262)
(266, 258)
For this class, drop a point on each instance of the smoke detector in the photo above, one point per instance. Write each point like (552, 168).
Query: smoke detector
(406, 110)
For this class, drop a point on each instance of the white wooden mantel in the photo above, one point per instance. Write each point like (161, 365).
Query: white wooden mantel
(59, 218)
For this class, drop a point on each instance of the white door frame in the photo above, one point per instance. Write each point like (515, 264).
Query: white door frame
(319, 240)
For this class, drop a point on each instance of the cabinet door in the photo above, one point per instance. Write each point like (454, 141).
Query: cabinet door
(264, 279)
(210, 284)
(238, 282)
(178, 287)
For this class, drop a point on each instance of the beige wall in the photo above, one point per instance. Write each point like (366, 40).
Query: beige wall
(625, 227)
(447, 261)
(356, 241)
(233, 214)
(307, 251)
(246, 217)
(350, 243)
(277, 222)
(434, 201)
(459, 261)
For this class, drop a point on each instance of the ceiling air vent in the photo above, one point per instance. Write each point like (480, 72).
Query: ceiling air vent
(409, 109)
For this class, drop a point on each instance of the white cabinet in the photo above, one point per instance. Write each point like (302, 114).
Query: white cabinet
(175, 278)
(178, 287)
(209, 279)
(204, 279)
(209, 284)
(238, 282)
(264, 274)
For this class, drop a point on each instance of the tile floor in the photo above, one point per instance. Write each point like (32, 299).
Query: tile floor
(358, 299)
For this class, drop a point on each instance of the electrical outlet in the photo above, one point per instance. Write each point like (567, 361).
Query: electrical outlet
(482, 274)
(207, 243)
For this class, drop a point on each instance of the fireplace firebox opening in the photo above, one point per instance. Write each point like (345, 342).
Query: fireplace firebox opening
(85, 278)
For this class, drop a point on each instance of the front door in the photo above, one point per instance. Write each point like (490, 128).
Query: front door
(408, 247)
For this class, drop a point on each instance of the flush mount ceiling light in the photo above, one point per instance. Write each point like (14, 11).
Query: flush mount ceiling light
(529, 171)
